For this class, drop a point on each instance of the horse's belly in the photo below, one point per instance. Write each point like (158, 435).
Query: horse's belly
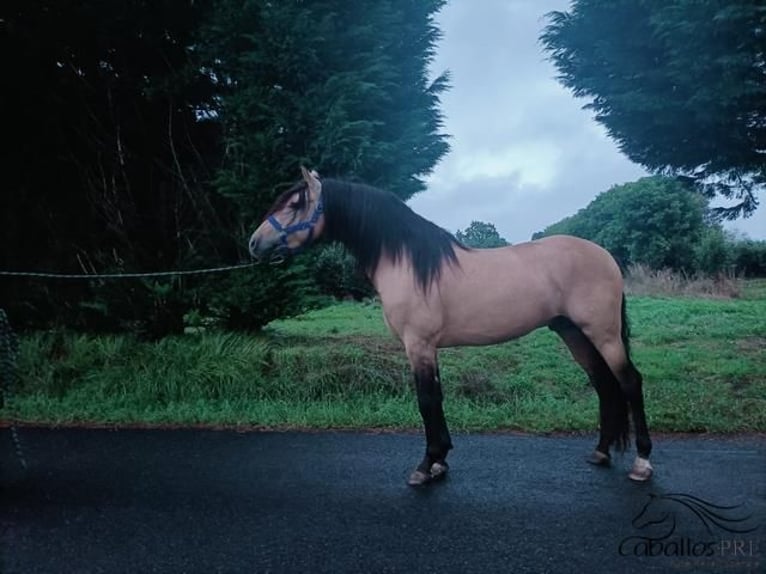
(496, 295)
(489, 324)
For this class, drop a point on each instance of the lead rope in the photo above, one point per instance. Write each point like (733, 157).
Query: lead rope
(9, 348)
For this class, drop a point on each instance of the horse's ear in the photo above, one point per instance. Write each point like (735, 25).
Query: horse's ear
(312, 180)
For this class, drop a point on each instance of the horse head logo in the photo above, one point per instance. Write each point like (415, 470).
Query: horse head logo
(655, 516)
(663, 510)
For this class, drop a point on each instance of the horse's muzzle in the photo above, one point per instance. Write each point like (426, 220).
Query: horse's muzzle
(261, 251)
(253, 247)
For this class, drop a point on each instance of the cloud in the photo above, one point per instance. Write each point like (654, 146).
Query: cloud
(524, 152)
(531, 164)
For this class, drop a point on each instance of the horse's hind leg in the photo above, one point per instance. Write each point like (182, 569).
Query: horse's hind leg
(631, 382)
(422, 359)
(613, 415)
(615, 353)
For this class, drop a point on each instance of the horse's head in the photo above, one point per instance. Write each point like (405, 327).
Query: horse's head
(293, 222)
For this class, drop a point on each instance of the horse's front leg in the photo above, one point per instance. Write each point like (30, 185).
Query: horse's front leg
(430, 397)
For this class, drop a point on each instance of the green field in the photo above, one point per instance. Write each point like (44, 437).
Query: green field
(703, 360)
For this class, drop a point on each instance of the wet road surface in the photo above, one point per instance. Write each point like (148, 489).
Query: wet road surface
(140, 501)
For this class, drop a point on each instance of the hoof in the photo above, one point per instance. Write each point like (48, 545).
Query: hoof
(598, 458)
(419, 478)
(642, 470)
(438, 470)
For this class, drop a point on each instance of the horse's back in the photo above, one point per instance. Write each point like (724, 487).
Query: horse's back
(499, 294)
(561, 261)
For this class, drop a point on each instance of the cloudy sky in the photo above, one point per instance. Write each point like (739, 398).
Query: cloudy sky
(524, 152)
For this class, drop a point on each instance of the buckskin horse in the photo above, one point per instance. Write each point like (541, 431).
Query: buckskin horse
(436, 293)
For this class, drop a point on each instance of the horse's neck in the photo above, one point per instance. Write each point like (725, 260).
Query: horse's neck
(395, 280)
(410, 314)
(388, 275)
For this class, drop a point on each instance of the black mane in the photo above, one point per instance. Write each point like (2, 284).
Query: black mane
(371, 222)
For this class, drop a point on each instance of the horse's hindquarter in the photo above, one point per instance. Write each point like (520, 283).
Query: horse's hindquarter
(499, 294)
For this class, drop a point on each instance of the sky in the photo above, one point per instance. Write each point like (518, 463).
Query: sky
(524, 152)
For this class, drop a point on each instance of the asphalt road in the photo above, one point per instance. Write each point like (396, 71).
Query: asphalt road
(142, 501)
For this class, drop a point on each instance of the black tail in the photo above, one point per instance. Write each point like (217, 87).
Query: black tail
(625, 330)
(619, 418)
(620, 408)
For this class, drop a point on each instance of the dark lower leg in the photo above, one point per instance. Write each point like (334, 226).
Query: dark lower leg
(634, 392)
(430, 398)
(613, 412)
(593, 364)
(605, 437)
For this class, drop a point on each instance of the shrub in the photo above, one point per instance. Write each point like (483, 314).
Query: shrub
(749, 257)
(643, 280)
(337, 274)
(249, 299)
(712, 254)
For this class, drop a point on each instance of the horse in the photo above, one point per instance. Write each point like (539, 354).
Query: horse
(436, 293)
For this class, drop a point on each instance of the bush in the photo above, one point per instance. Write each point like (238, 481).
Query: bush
(719, 252)
(149, 308)
(749, 257)
(249, 299)
(642, 280)
(337, 274)
(712, 254)
(655, 221)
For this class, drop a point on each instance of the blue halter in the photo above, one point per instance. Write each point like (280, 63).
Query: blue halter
(296, 227)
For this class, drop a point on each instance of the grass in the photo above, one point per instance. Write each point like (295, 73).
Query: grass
(703, 362)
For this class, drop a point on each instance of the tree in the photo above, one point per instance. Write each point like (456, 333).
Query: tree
(480, 235)
(680, 85)
(655, 221)
(338, 86)
(108, 161)
(342, 87)
(153, 135)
